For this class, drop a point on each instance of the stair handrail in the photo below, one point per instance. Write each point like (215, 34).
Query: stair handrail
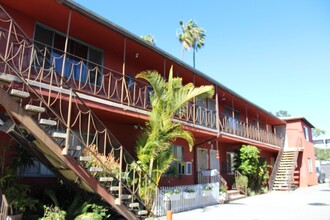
(298, 146)
(243, 190)
(18, 73)
(222, 181)
(275, 169)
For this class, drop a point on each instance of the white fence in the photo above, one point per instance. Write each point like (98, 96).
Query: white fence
(183, 200)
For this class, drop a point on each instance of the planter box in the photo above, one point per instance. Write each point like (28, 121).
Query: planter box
(206, 192)
(172, 197)
(190, 195)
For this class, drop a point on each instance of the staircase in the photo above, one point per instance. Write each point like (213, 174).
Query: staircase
(234, 194)
(284, 179)
(45, 113)
(237, 192)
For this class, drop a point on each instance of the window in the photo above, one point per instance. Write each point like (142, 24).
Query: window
(306, 132)
(310, 166)
(327, 142)
(232, 121)
(38, 170)
(177, 166)
(81, 63)
(230, 162)
(319, 142)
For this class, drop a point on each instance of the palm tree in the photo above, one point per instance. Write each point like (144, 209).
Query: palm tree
(191, 36)
(154, 147)
(149, 39)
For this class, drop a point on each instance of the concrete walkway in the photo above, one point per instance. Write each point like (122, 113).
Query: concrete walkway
(312, 203)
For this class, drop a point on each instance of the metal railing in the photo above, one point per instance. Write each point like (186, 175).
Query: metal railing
(99, 81)
(242, 189)
(243, 129)
(275, 170)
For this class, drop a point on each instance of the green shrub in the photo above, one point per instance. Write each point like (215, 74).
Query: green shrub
(53, 213)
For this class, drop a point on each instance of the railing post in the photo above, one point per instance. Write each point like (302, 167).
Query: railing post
(120, 190)
(8, 40)
(88, 128)
(66, 148)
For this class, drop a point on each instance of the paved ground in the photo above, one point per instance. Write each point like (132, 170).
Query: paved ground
(312, 203)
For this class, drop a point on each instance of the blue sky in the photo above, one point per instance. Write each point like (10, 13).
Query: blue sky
(275, 53)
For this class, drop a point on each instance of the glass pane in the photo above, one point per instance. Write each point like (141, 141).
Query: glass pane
(43, 35)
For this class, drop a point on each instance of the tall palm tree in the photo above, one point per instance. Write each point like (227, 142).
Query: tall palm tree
(191, 36)
(154, 148)
(149, 39)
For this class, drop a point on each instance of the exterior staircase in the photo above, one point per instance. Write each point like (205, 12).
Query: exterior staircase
(284, 179)
(234, 194)
(49, 117)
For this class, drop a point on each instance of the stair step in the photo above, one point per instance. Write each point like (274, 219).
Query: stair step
(84, 158)
(19, 93)
(34, 108)
(47, 122)
(95, 169)
(235, 197)
(142, 212)
(59, 135)
(133, 205)
(76, 148)
(126, 197)
(114, 188)
(6, 78)
(106, 179)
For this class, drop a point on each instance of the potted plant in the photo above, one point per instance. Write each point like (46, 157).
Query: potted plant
(189, 194)
(53, 213)
(172, 195)
(207, 190)
(93, 212)
(17, 195)
(18, 200)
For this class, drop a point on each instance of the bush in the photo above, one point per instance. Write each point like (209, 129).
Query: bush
(249, 163)
(52, 213)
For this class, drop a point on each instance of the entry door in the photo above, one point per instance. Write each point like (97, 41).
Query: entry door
(214, 161)
(202, 164)
(202, 159)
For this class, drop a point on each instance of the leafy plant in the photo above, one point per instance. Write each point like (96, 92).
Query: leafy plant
(249, 163)
(223, 188)
(174, 191)
(108, 162)
(17, 194)
(188, 190)
(207, 187)
(153, 148)
(241, 182)
(93, 211)
(53, 213)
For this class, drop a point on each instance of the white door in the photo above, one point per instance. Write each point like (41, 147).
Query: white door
(202, 159)
(202, 164)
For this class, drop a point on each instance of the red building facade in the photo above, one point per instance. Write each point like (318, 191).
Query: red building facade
(80, 69)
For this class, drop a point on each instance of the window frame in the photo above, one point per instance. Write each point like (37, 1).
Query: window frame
(88, 64)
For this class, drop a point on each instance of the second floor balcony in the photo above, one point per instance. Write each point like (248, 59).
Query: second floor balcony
(43, 64)
(239, 128)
